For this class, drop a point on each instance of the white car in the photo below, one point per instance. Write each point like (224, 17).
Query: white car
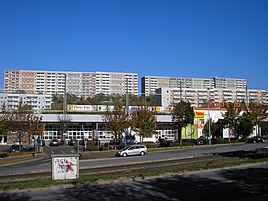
(137, 149)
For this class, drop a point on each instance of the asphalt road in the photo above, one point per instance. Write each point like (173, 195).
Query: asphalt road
(94, 160)
(248, 183)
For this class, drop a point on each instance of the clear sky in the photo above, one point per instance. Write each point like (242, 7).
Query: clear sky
(178, 38)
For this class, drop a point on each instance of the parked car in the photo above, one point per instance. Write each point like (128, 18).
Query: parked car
(255, 139)
(16, 148)
(131, 150)
(54, 142)
(201, 141)
(71, 142)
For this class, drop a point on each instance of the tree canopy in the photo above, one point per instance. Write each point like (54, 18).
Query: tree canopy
(117, 119)
(22, 123)
(182, 114)
(144, 121)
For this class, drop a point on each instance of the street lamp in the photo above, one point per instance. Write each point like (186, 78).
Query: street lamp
(209, 131)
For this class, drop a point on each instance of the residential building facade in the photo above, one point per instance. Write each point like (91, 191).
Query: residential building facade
(151, 83)
(167, 97)
(38, 102)
(78, 83)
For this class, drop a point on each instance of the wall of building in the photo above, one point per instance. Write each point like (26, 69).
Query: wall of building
(78, 83)
(38, 102)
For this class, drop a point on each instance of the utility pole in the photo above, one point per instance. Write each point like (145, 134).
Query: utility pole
(180, 92)
(127, 107)
(209, 132)
(64, 108)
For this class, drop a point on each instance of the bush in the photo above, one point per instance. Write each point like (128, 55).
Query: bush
(95, 148)
(150, 144)
(3, 155)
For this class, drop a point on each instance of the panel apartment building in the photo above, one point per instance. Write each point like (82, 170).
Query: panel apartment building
(151, 83)
(167, 97)
(81, 84)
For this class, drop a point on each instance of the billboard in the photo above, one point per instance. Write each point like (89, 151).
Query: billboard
(189, 132)
(228, 133)
(199, 118)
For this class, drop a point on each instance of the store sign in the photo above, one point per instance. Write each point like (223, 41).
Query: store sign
(199, 114)
(82, 108)
(224, 104)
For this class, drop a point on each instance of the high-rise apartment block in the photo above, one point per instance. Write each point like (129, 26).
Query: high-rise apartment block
(82, 84)
(151, 83)
(167, 97)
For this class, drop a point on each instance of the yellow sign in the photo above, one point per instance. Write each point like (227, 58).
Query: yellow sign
(199, 114)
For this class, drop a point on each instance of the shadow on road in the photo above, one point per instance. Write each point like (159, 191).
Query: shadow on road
(235, 184)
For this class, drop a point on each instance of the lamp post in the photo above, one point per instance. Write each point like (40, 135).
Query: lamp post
(209, 131)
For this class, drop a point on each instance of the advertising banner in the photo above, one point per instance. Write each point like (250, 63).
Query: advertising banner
(199, 122)
(103, 108)
(228, 133)
(199, 118)
(189, 132)
(82, 108)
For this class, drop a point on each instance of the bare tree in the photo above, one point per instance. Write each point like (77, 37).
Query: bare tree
(62, 125)
(21, 121)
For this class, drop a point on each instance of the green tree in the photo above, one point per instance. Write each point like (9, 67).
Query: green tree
(4, 127)
(245, 127)
(4, 124)
(232, 117)
(57, 102)
(182, 115)
(144, 121)
(258, 114)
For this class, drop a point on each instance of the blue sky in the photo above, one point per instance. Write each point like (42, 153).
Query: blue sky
(178, 38)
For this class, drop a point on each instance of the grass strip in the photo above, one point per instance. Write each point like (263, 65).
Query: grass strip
(46, 182)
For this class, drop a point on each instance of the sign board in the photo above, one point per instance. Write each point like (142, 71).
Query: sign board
(65, 166)
(228, 133)
(36, 137)
(189, 132)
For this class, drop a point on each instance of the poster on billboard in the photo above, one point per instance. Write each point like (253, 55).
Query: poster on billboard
(189, 132)
(199, 118)
(228, 133)
(200, 123)
(65, 166)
